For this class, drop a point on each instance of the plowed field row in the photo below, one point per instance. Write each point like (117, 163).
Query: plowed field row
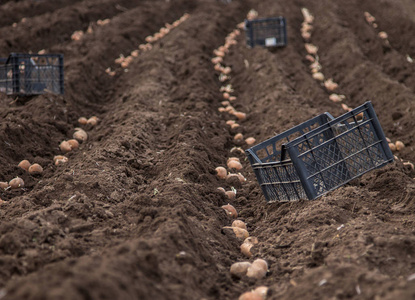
(135, 212)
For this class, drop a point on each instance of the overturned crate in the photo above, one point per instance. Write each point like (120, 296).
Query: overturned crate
(31, 74)
(320, 155)
(266, 32)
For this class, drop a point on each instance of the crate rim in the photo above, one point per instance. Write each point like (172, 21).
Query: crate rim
(309, 134)
(329, 124)
(251, 151)
(264, 19)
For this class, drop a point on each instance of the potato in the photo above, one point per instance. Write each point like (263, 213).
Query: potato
(216, 60)
(230, 211)
(399, 145)
(262, 291)
(82, 120)
(308, 17)
(128, 59)
(330, 85)
(80, 135)
(60, 159)
(261, 263)
(239, 269)
(239, 223)
(4, 185)
(318, 76)
(241, 178)
(65, 147)
(149, 39)
(238, 137)
(56, 157)
(392, 146)
(24, 164)
(306, 35)
(230, 194)
(74, 144)
(16, 183)
(35, 169)
(311, 49)
(369, 18)
(345, 107)
(237, 149)
(226, 70)
(229, 177)
(219, 53)
(234, 158)
(256, 271)
(336, 98)
(250, 141)
(239, 232)
(221, 172)
(246, 249)
(94, 120)
(233, 164)
(383, 35)
(316, 66)
(251, 240)
(221, 189)
(218, 67)
(119, 60)
(240, 115)
(252, 14)
(310, 58)
(250, 296)
(230, 109)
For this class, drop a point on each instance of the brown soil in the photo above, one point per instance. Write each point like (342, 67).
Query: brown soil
(136, 214)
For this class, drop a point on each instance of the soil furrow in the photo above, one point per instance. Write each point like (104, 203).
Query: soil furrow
(361, 79)
(13, 12)
(44, 31)
(86, 90)
(392, 58)
(148, 164)
(136, 214)
(307, 239)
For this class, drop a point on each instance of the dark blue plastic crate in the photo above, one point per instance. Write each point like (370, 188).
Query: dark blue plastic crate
(267, 32)
(320, 155)
(31, 74)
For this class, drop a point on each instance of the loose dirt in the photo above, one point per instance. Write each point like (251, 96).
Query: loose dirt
(136, 214)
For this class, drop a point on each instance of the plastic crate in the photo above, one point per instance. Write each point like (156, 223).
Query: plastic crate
(268, 32)
(320, 155)
(31, 74)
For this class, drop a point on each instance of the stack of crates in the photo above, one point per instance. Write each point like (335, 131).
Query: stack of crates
(320, 155)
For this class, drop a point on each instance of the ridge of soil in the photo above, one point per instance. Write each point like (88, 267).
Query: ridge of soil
(136, 214)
